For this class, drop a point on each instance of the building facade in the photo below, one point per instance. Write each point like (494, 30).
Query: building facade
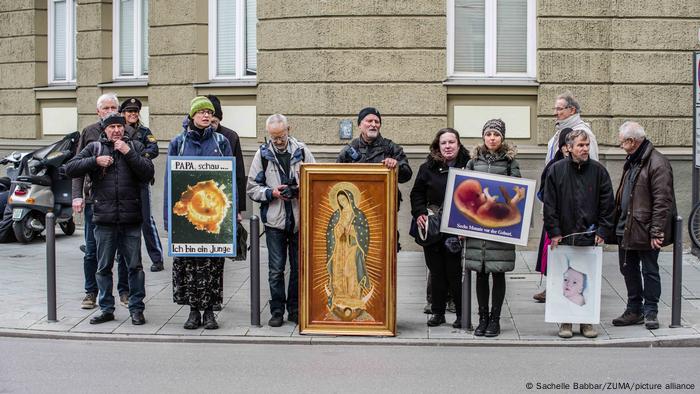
(425, 64)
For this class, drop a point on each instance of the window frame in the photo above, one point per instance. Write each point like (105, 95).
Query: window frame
(490, 44)
(137, 47)
(70, 44)
(240, 44)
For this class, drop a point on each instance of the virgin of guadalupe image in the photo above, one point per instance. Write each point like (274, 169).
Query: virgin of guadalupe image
(347, 234)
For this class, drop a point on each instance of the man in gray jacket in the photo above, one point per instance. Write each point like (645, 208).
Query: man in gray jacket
(273, 182)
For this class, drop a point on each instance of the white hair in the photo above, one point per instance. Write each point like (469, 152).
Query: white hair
(107, 97)
(276, 118)
(632, 130)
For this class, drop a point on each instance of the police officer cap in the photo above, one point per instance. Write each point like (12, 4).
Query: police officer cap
(130, 104)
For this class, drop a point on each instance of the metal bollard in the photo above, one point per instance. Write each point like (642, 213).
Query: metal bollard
(254, 271)
(677, 274)
(51, 266)
(466, 291)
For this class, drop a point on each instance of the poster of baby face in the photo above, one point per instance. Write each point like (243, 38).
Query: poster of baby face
(486, 206)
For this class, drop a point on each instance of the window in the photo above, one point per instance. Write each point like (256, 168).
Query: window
(491, 38)
(130, 39)
(61, 36)
(232, 50)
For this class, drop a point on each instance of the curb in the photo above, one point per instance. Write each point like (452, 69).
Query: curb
(665, 342)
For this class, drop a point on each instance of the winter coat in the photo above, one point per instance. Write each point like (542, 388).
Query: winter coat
(116, 190)
(431, 182)
(80, 186)
(358, 151)
(575, 123)
(263, 178)
(652, 204)
(578, 197)
(491, 256)
(235, 142)
(193, 142)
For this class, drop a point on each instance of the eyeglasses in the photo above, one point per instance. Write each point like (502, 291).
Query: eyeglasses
(559, 109)
(279, 139)
(204, 112)
(622, 143)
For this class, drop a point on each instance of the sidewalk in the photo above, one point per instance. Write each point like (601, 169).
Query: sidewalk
(23, 307)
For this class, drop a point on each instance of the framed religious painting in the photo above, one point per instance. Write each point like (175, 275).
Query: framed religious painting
(347, 249)
(487, 206)
(574, 278)
(201, 206)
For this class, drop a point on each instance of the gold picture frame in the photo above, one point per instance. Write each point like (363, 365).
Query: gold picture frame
(347, 253)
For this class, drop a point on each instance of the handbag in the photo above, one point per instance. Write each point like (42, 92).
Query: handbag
(431, 234)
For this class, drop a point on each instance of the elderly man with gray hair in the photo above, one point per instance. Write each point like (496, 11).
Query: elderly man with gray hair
(272, 181)
(645, 206)
(567, 111)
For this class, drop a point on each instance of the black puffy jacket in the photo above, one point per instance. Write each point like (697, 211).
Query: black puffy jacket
(116, 190)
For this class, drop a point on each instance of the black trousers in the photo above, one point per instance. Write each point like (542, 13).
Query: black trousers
(445, 274)
(498, 290)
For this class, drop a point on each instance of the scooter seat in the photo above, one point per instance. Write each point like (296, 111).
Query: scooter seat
(42, 180)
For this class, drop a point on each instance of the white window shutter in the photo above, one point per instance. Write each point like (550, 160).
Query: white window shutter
(226, 38)
(251, 51)
(126, 37)
(59, 41)
(512, 36)
(469, 37)
(144, 37)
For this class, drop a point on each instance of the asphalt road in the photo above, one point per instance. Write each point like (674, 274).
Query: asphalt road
(67, 366)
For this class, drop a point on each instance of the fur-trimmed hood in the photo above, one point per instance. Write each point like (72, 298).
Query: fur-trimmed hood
(507, 149)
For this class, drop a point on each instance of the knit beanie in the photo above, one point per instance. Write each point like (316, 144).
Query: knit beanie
(495, 125)
(368, 111)
(113, 118)
(217, 106)
(199, 103)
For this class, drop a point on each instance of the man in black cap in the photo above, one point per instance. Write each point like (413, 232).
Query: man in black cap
(371, 147)
(130, 109)
(83, 203)
(117, 168)
(235, 142)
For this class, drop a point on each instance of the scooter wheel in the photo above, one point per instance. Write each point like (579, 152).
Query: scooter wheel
(23, 232)
(68, 227)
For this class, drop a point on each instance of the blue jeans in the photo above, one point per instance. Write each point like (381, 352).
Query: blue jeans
(90, 259)
(127, 240)
(148, 227)
(278, 243)
(642, 297)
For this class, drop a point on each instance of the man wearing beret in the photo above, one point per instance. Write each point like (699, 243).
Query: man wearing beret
(130, 109)
(117, 168)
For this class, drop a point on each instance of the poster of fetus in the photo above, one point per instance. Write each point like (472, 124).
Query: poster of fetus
(487, 206)
(573, 284)
(201, 206)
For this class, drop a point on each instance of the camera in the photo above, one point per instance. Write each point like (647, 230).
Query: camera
(292, 189)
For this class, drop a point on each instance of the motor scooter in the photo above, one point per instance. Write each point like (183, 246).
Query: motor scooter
(42, 186)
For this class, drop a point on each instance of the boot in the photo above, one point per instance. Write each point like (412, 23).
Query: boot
(209, 320)
(436, 320)
(194, 320)
(494, 327)
(483, 322)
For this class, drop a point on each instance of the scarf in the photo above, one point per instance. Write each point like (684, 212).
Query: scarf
(636, 157)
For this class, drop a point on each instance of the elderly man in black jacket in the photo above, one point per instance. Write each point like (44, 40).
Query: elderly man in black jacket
(578, 205)
(117, 170)
(645, 206)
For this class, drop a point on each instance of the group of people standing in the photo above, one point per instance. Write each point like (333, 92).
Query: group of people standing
(113, 170)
